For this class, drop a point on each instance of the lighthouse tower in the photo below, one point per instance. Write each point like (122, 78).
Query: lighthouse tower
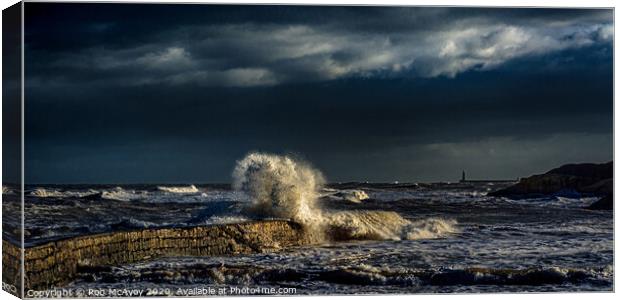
(463, 176)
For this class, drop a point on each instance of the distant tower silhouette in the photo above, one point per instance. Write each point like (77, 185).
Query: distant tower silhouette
(463, 176)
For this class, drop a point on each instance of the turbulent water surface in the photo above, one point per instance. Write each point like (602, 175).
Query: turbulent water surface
(443, 238)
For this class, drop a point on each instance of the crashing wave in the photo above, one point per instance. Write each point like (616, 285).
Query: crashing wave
(48, 193)
(181, 195)
(282, 187)
(43, 193)
(179, 189)
(355, 196)
(385, 225)
(120, 194)
(226, 220)
(133, 223)
(7, 191)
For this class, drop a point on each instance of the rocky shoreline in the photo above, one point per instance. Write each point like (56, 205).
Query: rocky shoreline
(55, 264)
(572, 180)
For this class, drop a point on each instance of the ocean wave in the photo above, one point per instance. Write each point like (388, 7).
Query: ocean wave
(43, 193)
(51, 193)
(283, 187)
(371, 275)
(120, 194)
(532, 276)
(385, 225)
(161, 195)
(133, 223)
(354, 196)
(192, 189)
(280, 187)
(182, 195)
(184, 271)
(7, 191)
(554, 201)
(226, 219)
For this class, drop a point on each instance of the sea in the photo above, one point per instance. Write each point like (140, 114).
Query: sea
(406, 237)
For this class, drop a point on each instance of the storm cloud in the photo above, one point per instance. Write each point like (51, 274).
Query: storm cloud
(249, 53)
(171, 93)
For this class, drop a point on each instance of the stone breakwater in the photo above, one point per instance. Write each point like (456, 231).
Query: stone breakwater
(56, 263)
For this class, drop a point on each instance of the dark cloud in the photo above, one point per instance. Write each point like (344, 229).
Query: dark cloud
(225, 46)
(147, 93)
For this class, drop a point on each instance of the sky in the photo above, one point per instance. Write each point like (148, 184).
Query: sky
(126, 93)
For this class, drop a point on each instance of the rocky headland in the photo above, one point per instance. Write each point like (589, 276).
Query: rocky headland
(572, 180)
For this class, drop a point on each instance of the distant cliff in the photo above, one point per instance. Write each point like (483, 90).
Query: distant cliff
(592, 179)
(56, 263)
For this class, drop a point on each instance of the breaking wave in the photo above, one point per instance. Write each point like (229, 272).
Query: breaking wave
(384, 225)
(226, 220)
(370, 275)
(284, 187)
(43, 193)
(192, 189)
(120, 194)
(50, 193)
(354, 196)
(7, 191)
(185, 271)
(163, 194)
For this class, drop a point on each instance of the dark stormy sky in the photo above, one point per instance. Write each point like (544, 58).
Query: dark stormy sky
(123, 93)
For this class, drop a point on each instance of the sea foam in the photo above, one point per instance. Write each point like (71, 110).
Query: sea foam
(120, 194)
(192, 189)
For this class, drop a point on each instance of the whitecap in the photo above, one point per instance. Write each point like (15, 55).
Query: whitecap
(192, 189)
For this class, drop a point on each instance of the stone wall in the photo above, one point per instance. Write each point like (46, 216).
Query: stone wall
(56, 263)
(11, 268)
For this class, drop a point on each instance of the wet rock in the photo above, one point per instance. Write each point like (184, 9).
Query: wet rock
(605, 203)
(573, 180)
